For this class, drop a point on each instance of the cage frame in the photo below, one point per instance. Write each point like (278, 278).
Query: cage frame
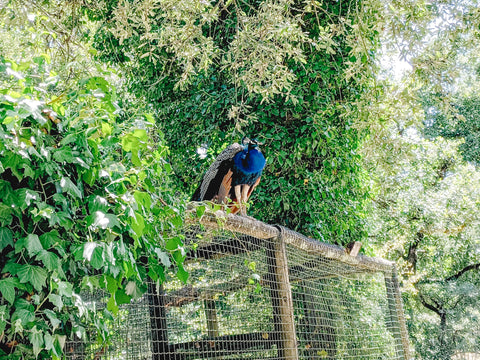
(232, 237)
(277, 238)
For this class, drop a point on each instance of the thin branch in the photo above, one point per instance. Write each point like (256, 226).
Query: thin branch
(463, 271)
(429, 306)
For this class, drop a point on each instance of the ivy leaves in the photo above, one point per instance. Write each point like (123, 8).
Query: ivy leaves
(83, 207)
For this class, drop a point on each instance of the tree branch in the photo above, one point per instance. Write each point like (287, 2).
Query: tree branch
(463, 271)
(436, 310)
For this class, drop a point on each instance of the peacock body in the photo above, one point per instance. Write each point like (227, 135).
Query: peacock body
(234, 174)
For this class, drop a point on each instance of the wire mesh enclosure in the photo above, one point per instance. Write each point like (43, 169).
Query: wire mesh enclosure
(257, 291)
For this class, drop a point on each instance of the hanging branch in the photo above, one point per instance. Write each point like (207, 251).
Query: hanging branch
(463, 271)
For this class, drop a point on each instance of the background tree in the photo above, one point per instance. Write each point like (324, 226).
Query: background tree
(425, 193)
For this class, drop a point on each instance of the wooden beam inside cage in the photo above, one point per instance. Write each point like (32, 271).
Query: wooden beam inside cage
(158, 322)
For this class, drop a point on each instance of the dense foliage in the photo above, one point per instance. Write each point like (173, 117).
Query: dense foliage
(95, 162)
(421, 157)
(83, 207)
(277, 71)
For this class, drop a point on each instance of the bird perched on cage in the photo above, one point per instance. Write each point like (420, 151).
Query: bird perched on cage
(234, 174)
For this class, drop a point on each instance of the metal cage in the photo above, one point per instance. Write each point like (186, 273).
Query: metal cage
(257, 291)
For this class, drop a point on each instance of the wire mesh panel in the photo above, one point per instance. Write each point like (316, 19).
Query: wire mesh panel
(253, 297)
(129, 332)
(341, 312)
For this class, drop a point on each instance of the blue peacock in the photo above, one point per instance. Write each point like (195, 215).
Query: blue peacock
(234, 175)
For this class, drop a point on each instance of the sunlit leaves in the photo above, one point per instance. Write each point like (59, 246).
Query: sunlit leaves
(78, 192)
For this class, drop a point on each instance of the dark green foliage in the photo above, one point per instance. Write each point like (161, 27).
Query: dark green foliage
(313, 181)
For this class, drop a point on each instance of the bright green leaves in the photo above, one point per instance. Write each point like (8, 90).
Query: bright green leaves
(82, 193)
(103, 221)
(135, 143)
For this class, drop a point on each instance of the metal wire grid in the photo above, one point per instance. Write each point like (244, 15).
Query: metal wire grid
(341, 312)
(234, 308)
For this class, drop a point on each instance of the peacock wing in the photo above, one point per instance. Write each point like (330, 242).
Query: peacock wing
(214, 177)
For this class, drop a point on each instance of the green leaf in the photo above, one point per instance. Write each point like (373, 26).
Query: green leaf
(13, 161)
(36, 338)
(121, 297)
(87, 251)
(164, 257)
(130, 143)
(56, 300)
(25, 315)
(97, 203)
(65, 288)
(111, 284)
(5, 214)
(6, 238)
(133, 290)
(64, 154)
(50, 239)
(182, 274)
(137, 224)
(143, 198)
(112, 305)
(31, 243)
(103, 221)
(200, 210)
(70, 188)
(32, 274)
(7, 288)
(173, 243)
(97, 260)
(49, 259)
(25, 197)
(52, 316)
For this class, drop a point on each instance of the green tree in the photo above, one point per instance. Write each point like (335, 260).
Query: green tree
(425, 196)
(288, 73)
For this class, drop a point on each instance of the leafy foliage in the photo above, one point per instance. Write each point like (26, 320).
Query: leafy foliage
(460, 121)
(83, 207)
(285, 74)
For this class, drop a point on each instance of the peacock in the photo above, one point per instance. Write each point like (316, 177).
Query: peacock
(234, 175)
